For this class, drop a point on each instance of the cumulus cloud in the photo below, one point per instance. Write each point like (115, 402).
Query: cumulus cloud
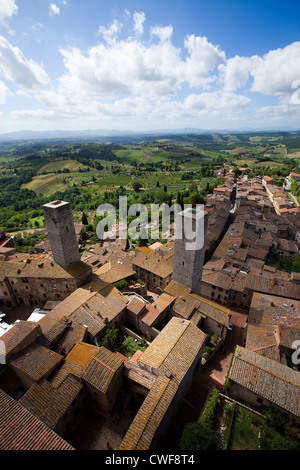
(152, 79)
(139, 19)
(109, 34)
(14, 66)
(272, 74)
(53, 9)
(164, 33)
(275, 72)
(202, 61)
(8, 8)
(123, 67)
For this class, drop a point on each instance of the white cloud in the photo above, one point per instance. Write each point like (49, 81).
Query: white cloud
(275, 72)
(53, 9)
(110, 34)
(202, 61)
(4, 92)
(235, 73)
(151, 80)
(272, 74)
(8, 8)
(26, 74)
(164, 33)
(123, 67)
(138, 20)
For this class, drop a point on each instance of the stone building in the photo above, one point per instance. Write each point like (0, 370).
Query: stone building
(61, 233)
(34, 282)
(154, 269)
(103, 378)
(260, 381)
(190, 243)
(166, 368)
(209, 316)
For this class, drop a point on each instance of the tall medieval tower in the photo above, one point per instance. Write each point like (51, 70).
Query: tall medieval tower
(61, 233)
(190, 240)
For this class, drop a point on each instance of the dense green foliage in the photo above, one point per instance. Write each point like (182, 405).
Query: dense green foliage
(147, 170)
(200, 435)
(116, 341)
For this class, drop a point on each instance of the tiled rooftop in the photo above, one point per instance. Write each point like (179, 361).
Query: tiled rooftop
(21, 430)
(18, 334)
(93, 305)
(144, 426)
(36, 361)
(266, 313)
(160, 265)
(267, 378)
(175, 349)
(102, 368)
(48, 403)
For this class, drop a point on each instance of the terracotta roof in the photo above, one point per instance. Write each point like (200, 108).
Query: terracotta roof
(73, 334)
(36, 361)
(144, 426)
(267, 378)
(176, 289)
(33, 268)
(188, 304)
(116, 273)
(81, 354)
(19, 335)
(48, 403)
(287, 334)
(21, 430)
(153, 311)
(136, 305)
(75, 362)
(175, 349)
(266, 313)
(92, 305)
(102, 368)
(160, 265)
(287, 245)
(268, 178)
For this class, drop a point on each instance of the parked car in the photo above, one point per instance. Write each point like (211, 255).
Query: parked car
(230, 326)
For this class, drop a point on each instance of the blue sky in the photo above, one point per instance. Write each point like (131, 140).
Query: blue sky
(144, 65)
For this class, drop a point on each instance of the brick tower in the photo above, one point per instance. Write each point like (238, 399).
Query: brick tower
(61, 233)
(190, 240)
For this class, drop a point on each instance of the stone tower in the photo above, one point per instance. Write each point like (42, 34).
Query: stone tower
(190, 240)
(61, 233)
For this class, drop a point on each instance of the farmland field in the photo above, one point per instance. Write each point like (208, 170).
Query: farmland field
(57, 165)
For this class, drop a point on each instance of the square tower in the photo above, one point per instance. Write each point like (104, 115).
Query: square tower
(61, 233)
(190, 240)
